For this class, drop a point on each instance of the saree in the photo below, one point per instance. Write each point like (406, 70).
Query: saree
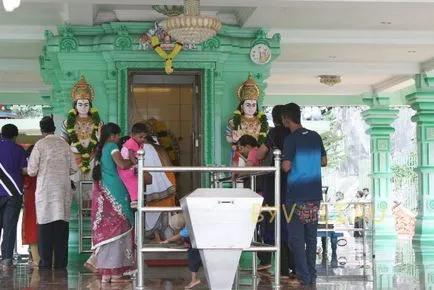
(160, 193)
(29, 228)
(112, 219)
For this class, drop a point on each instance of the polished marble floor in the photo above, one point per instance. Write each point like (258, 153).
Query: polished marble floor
(399, 264)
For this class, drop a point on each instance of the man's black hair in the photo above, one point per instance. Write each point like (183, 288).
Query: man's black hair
(139, 128)
(9, 131)
(47, 125)
(292, 112)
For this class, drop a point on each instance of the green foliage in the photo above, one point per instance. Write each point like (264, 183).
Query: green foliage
(404, 172)
(333, 142)
(26, 111)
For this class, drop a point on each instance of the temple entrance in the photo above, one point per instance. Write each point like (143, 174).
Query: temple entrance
(172, 105)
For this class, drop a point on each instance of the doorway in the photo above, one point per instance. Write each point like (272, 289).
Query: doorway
(173, 104)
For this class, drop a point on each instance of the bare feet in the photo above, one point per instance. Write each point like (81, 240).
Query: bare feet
(105, 279)
(120, 279)
(264, 267)
(90, 267)
(192, 284)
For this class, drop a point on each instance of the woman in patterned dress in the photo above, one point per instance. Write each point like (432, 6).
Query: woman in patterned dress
(112, 217)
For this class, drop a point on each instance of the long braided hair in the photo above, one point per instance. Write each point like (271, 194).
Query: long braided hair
(106, 131)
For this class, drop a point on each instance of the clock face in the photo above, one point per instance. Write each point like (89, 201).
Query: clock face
(260, 54)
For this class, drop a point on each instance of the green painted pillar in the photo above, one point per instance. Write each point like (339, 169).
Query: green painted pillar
(380, 118)
(111, 93)
(47, 110)
(423, 102)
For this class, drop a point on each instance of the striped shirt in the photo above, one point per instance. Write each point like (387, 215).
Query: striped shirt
(13, 159)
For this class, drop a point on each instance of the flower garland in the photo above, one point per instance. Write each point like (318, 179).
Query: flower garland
(262, 119)
(155, 43)
(85, 153)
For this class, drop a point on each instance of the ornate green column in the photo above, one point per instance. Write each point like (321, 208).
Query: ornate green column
(423, 102)
(380, 118)
(111, 95)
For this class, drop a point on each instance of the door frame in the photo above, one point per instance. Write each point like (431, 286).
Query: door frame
(206, 91)
(194, 80)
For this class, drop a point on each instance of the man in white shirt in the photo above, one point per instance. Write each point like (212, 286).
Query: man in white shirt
(53, 162)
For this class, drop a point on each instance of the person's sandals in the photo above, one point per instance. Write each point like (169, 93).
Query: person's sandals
(90, 267)
(119, 279)
(105, 279)
(192, 284)
(264, 267)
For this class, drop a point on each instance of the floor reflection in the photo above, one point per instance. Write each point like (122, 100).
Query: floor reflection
(399, 264)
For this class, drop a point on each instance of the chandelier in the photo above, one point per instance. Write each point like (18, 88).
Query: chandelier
(191, 28)
(11, 5)
(169, 10)
(329, 80)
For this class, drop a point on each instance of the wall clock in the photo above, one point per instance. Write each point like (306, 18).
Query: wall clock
(260, 54)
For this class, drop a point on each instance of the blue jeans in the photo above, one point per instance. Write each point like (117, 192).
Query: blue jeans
(10, 207)
(302, 240)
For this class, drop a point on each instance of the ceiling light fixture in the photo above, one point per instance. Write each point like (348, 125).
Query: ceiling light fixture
(411, 51)
(329, 80)
(191, 28)
(11, 5)
(169, 10)
(385, 22)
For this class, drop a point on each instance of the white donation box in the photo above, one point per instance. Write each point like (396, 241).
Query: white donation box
(221, 224)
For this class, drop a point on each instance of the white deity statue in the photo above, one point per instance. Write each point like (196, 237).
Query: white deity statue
(247, 119)
(82, 128)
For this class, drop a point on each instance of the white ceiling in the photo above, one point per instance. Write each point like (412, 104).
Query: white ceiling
(373, 45)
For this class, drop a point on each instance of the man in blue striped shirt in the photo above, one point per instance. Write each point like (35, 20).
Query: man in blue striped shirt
(303, 156)
(13, 164)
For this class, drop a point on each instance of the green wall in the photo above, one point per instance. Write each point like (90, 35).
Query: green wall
(105, 54)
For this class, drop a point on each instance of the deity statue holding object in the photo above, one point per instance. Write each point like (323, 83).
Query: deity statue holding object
(82, 127)
(247, 120)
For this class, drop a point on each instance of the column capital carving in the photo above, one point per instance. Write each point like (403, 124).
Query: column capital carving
(380, 117)
(374, 100)
(421, 100)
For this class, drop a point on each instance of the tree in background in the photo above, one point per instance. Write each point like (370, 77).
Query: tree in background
(333, 141)
(26, 111)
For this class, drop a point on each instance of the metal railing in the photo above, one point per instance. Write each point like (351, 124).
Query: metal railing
(81, 210)
(141, 210)
(363, 230)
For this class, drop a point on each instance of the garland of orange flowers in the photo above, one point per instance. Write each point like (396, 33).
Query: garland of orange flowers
(262, 119)
(85, 152)
(155, 43)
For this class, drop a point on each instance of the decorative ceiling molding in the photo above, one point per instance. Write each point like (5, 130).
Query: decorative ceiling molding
(78, 14)
(316, 89)
(391, 37)
(152, 15)
(27, 87)
(239, 3)
(393, 84)
(341, 68)
(427, 66)
(19, 65)
(24, 32)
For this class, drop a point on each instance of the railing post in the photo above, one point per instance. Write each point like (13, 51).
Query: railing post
(80, 217)
(277, 159)
(139, 222)
(254, 254)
